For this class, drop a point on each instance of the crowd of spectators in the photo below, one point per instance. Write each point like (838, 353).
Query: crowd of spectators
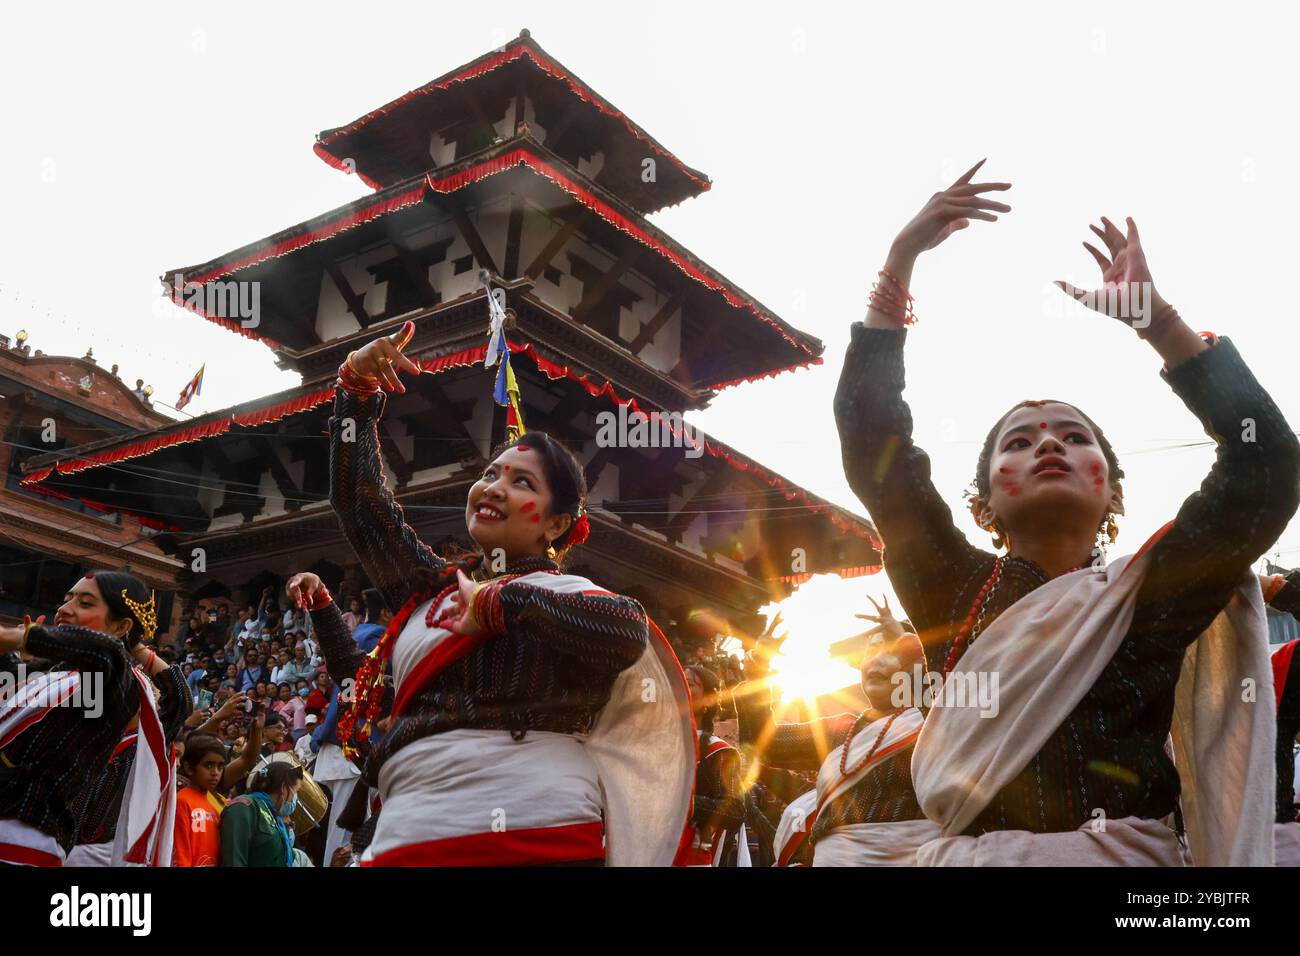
(260, 688)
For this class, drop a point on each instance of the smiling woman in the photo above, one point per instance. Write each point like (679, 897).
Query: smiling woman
(519, 731)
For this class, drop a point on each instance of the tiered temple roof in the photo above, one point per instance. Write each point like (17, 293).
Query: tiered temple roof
(511, 165)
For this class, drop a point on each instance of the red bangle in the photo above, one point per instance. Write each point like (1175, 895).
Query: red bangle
(353, 382)
(321, 599)
(487, 608)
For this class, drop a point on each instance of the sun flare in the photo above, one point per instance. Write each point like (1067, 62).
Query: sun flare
(817, 615)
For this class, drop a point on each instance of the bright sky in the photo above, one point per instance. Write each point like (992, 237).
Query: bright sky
(157, 138)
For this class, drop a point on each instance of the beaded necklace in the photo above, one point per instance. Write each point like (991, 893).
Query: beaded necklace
(973, 625)
(844, 756)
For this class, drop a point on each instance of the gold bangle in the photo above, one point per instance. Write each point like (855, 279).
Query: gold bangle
(27, 629)
(474, 619)
(371, 378)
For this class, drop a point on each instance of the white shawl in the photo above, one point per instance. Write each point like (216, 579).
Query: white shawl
(1048, 649)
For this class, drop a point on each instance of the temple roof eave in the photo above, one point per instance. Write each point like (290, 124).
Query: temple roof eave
(519, 151)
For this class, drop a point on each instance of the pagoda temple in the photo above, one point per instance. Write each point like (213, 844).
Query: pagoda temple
(513, 165)
(49, 403)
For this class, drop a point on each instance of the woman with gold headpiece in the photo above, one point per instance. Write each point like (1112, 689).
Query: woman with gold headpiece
(99, 805)
(70, 691)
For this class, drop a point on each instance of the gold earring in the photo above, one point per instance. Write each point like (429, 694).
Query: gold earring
(1112, 529)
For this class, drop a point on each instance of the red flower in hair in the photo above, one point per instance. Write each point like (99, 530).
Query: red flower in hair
(581, 528)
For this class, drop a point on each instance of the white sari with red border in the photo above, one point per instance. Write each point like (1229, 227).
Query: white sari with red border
(479, 797)
(869, 844)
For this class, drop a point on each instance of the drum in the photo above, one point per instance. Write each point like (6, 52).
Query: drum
(312, 802)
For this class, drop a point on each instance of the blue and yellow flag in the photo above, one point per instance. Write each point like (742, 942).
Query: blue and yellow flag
(507, 393)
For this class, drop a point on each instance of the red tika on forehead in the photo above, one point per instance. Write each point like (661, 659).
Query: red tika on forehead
(90, 576)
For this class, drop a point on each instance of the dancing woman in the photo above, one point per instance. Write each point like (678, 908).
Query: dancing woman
(99, 806)
(865, 812)
(719, 808)
(1089, 656)
(537, 718)
(73, 694)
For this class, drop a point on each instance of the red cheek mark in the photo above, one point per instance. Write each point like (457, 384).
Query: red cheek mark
(528, 507)
(536, 519)
(1004, 469)
(1095, 468)
(1011, 487)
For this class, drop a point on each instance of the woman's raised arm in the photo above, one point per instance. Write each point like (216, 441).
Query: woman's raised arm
(1253, 488)
(924, 550)
(372, 520)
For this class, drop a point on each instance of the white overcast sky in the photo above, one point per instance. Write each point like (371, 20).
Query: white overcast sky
(144, 137)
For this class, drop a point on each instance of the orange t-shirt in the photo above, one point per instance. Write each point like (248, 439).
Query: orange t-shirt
(198, 834)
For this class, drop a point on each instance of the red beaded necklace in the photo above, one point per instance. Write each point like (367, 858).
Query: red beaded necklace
(973, 625)
(967, 633)
(844, 756)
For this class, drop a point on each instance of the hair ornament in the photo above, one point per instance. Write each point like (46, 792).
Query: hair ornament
(146, 614)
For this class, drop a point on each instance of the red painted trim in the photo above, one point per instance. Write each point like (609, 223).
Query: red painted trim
(26, 856)
(380, 206)
(532, 847)
(449, 650)
(522, 155)
(715, 747)
(460, 359)
(773, 373)
(793, 844)
(1147, 545)
(854, 572)
(511, 53)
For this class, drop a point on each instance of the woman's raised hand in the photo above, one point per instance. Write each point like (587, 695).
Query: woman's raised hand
(949, 211)
(1127, 292)
(889, 626)
(457, 617)
(760, 656)
(302, 587)
(383, 357)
